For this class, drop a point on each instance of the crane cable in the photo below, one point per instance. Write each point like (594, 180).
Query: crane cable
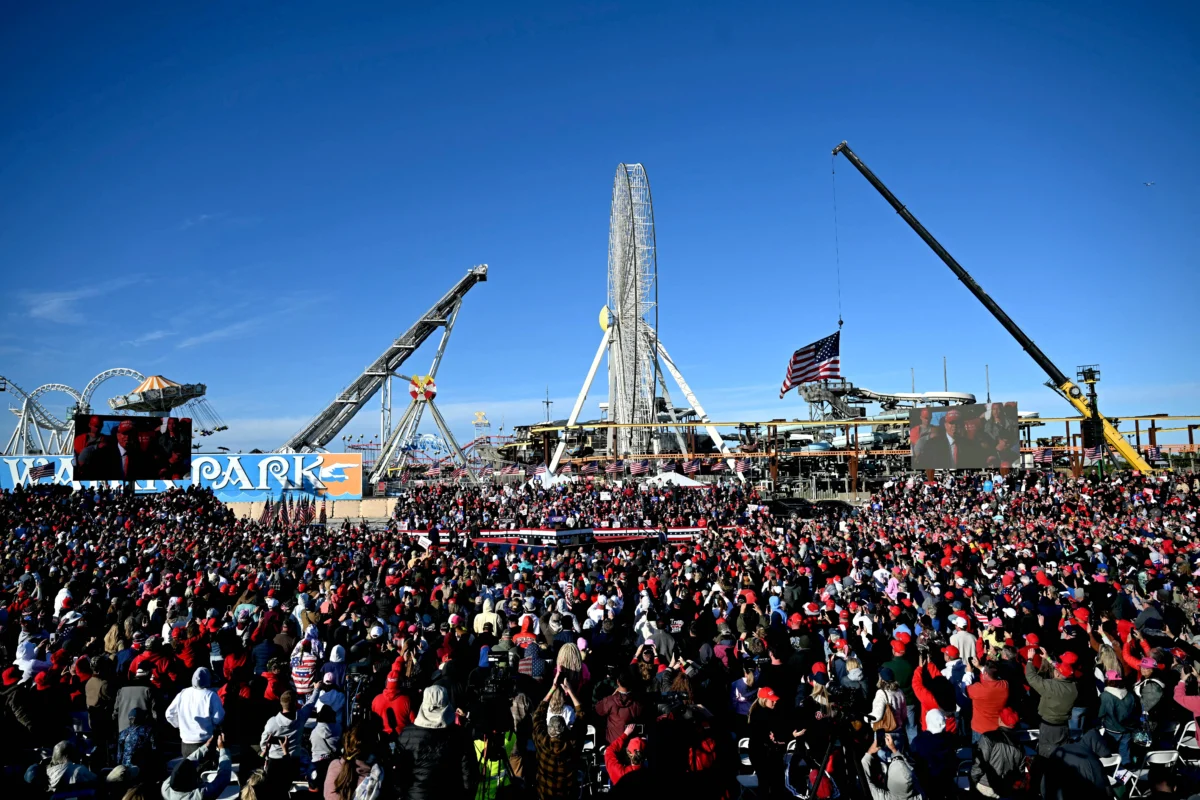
(836, 246)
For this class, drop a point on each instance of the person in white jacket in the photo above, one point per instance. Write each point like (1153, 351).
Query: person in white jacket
(196, 712)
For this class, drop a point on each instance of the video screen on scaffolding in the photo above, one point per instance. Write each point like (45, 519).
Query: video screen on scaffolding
(116, 448)
(965, 437)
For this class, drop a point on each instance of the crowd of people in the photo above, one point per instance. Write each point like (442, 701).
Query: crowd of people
(155, 645)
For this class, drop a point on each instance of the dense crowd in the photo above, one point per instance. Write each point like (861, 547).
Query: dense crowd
(156, 646)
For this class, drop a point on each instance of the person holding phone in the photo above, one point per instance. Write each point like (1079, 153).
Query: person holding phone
(889, 772)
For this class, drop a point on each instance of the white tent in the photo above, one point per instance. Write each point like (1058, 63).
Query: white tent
(672, 479)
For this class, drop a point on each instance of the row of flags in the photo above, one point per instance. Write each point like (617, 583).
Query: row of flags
(287, 510)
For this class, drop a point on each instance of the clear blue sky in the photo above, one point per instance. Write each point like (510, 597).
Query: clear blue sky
(260, 198)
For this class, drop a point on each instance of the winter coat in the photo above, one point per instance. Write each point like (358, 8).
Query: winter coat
(1152, 692)
(135, 695)
(1118, 709)
(1057, 696)
(615, 760)
(900, 782)
(335, 769)
(618, 710)
(400, 706)
(207, 791)
(434, 762)
(997, 760)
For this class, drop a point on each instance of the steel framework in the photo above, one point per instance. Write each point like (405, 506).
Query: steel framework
(636, 357)
(396, 441)
(38, 430)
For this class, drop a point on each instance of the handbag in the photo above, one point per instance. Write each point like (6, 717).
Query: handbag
(887, 722)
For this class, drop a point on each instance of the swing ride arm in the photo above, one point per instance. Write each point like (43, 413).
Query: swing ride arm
(1060, 382)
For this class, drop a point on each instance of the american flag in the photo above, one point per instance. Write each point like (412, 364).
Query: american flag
(1093, 453)
(818, 361)
(540, 469)
(718, 465)
(1153, 453)
(509, 469)
(691, 467)
(460, 472)
(1044, 456)
(322, 517)
(639, 467)
(566, 469)
(743, 465)
(44, 471)
(307, 512)
(667, 466)
(485, 471)
(591, 468)
(615, 467)
(267, 512)
(283, 511)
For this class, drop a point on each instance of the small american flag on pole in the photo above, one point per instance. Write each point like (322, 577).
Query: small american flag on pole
(639, 467)
(615, 467)
(485, 471)
(566, 469)
(540, 469)
(1153, 453)
(1044, 456)
(718, 466)
(1094, 453)
(743, 465)
(667, 466)
(815, 362)
(691, 467)
(43, 471)
(591, 468)
(510, 469)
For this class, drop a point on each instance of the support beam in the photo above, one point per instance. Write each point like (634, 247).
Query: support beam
(445, 429)
(695, 404)
(579, 401)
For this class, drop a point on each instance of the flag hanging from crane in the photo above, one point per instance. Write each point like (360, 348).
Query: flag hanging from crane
(1095, 453)
(815, 362)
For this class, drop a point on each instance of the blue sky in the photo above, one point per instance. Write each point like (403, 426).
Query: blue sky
(260, 198)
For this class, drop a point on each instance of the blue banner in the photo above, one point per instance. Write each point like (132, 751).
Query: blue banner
(233, 478)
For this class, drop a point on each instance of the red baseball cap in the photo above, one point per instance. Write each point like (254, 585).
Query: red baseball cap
(950, 651)
(768, 694)
(635, 744)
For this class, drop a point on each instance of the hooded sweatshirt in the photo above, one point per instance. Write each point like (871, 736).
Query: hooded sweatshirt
(487, 615)
(196, 711)
(1118, 709)
(336, 665)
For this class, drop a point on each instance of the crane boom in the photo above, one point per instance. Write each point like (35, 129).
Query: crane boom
(326, 425)
(1061, 382)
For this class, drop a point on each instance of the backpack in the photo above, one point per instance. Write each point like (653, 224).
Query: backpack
(370, 787)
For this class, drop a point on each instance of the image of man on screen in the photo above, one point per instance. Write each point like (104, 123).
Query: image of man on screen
(931, 451)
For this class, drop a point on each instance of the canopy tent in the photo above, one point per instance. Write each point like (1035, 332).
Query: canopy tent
(672, 479)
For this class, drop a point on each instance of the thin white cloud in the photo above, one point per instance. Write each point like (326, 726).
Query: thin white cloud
(200, 219)
(60, 306)
(151, 336)
(218, 334)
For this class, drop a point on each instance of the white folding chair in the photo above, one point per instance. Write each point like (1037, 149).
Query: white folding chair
(1162, 758)
(589, 739)
(744, 752)
(1110, 764)
(1188, 745)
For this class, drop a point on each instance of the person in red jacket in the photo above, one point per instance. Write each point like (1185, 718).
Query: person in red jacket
(922, 677)
(625, 755)
(988, 696)
(393, 707)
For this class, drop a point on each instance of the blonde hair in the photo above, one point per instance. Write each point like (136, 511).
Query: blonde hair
(1108, 659)
(852, 663)
(570, 658)
(250, 787)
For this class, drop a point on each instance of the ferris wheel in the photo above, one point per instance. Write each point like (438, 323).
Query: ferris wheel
(632, 309)
(636, 356)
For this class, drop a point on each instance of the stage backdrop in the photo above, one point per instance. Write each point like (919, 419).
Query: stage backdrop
(233, 478)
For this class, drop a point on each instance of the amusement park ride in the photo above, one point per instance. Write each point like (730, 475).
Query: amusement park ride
(401, 441)
(636, 356)
(42, 433)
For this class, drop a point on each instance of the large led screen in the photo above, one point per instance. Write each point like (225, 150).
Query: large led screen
(965, 437)
(132, 448)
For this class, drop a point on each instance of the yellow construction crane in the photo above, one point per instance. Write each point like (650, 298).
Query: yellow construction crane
(1058, 380)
